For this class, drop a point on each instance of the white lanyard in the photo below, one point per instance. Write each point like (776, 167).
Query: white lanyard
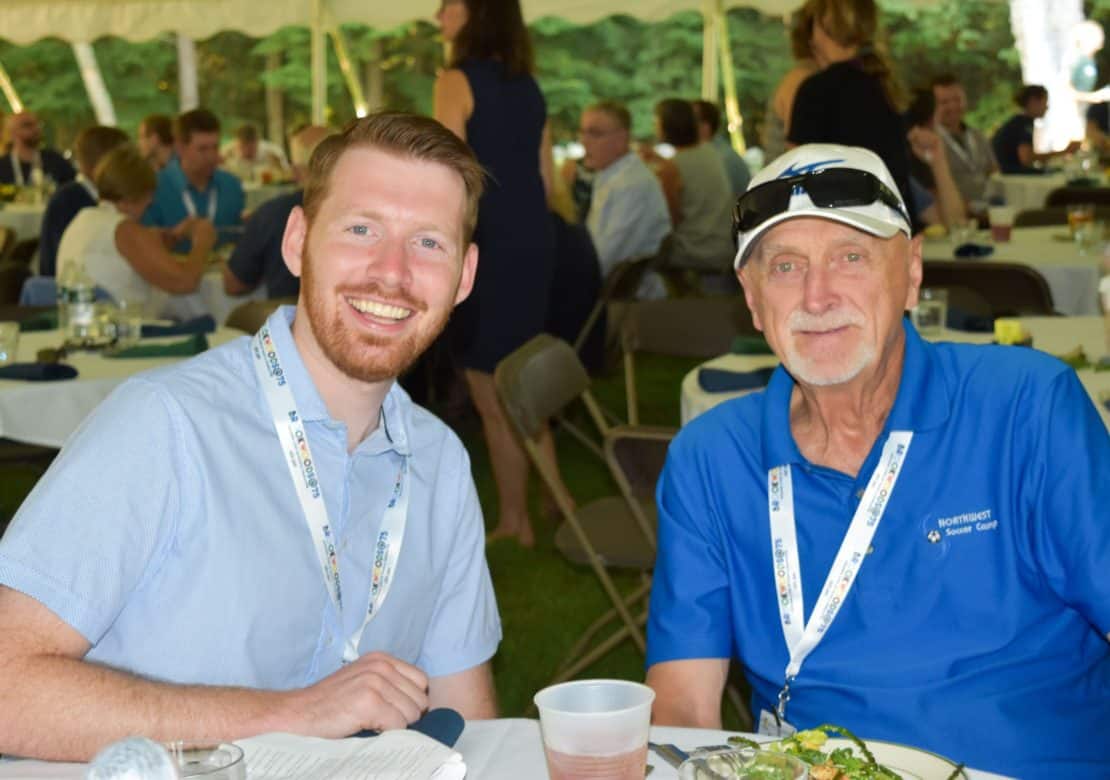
(17, 167)
(968, 154)
(302, 469)
(191, 207)
(801, 637)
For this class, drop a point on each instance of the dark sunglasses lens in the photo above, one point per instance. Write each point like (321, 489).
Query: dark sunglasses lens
(841, 187)
(761, 204)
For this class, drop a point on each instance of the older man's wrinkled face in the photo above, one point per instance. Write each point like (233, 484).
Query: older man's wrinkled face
(603, 138)
(830, 298)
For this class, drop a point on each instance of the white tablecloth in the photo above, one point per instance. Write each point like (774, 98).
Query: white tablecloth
(24, 218)
(508, 749)
(1027, 191)
(1056, 335)
(46, 413)
(1072, 275)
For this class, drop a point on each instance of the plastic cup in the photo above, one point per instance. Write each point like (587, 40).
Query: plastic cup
(1002, 222)
(931, 313)
(595, 729)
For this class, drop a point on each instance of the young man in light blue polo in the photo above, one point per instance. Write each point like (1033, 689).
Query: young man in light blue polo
(907, 539)
(272, 536)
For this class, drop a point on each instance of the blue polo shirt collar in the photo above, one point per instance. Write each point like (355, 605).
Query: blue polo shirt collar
(391, 434)
(923, 402)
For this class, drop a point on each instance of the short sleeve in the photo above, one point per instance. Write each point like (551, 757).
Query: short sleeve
(465, 628)
(99, 522)
(809, 115)
(690, 616)
(1066, 489)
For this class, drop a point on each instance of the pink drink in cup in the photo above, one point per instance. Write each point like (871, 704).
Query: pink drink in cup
(595, 729)
(1002, 221)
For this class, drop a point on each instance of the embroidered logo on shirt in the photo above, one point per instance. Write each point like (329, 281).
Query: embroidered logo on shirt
(963, 524)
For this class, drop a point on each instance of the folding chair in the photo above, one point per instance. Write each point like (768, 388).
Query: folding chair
(1009, 289)
(680, 327)
(534, 383)
(7, 241)
(249, 317)
(620, 284)
(1066, 196)
(1054, 215)
(23, 251)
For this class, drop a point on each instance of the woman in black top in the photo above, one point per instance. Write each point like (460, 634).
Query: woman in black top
(856, 99)
(489, 98)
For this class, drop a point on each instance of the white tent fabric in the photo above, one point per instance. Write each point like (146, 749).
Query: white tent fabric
(25, 21)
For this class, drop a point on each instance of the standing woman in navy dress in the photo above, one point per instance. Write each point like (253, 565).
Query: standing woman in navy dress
(488, 97)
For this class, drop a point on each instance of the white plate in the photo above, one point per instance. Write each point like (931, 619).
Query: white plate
(911, 763)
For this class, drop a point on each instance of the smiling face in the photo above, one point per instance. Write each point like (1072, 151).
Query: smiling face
(830, 298)
(951, 105)
(383, 262)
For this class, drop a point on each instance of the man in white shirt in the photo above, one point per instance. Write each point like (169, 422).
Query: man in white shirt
(628, 215)
(253, 158)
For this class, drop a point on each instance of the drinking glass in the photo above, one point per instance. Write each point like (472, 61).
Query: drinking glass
(1079, 216)
(931, 312)
(207, 761)
(9, 342)
(128, 319)
(595, 728)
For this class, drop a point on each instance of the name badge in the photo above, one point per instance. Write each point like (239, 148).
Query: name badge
(771, 726)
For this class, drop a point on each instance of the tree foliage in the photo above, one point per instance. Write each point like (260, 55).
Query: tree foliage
(619, 58)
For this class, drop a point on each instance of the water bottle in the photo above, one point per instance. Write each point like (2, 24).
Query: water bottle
(80, 304)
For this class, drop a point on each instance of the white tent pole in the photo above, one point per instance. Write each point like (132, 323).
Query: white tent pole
(709, 51)
(350, 75)
(275, 104)
(375, 85)
(6, 85)
(188, 98)
(732, 105)
(94, 84)
(319, 64)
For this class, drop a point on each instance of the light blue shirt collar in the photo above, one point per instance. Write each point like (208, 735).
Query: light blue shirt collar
(391, 434)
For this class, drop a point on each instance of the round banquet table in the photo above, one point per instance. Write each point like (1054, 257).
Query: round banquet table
(46, 413)
(208, 298)
(1055, 335)
(1072, 275)
(24, 218)
(506, 749)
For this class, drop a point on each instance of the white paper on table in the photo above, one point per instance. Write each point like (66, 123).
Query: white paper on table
(392, 755)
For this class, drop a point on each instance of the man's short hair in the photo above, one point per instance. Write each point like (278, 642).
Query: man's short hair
(124, 174)
(677, 122)
(403, 135)
(617, 111)
(945, 80)
(199, 120)
(161, 125)
(1030, 92)
(709, 113)
(93, 143)
(247, 133)
(304, 141)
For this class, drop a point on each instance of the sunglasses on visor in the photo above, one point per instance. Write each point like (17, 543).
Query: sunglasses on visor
(828, 189)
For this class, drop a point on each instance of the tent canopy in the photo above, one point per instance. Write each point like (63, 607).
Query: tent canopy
(25, 21)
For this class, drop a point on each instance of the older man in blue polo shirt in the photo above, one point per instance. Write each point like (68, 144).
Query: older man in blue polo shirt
(271, 536)
(907, 539)
(191, 186)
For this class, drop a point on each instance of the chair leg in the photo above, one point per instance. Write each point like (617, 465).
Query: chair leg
(584, 640)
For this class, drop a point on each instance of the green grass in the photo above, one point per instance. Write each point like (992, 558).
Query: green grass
(545, 601)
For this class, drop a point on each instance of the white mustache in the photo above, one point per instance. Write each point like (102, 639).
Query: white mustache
(804, 321)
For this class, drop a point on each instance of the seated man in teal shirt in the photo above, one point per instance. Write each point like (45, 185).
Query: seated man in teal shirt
(191, 186)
